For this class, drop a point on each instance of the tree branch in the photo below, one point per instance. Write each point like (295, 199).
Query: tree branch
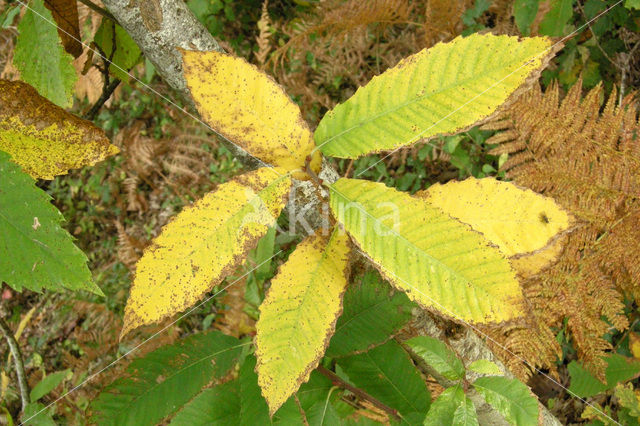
(336, 380)
(98, 9)
(17, 361)
(107, 91)
(160, 31)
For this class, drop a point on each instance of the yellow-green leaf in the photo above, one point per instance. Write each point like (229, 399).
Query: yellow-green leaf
(522, 223)
(299, 314)
(43, 138)
(203, 244)
(440, 90)
(439, 262)
(247, 107)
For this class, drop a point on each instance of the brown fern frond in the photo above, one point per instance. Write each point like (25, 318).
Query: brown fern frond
(264, 35)
(339, 18)
(443, 20)
(135, 200)
(129, 248)
(535, 344)
(179, 167)
(232, 319)
(94, 332)
(584, 155)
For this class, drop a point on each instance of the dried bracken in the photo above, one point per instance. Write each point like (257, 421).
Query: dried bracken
(325, 45)
(231, 318)
(263, 40)
(443, 20)
(129, 248)
(7, 41)
(588, 159)
(90, 79)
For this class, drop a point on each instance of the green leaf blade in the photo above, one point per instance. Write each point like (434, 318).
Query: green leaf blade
(509, 397)
(441, 90)
(36, 414)
(323, 413)
(554, 21)
(40, 57)
(219, 405)
(632, 4)
(118, 45)
(387, 373)
(35, 251)
(437, 355)
(524, 13)
(583, 383)
(619, 370)
(484, 366)
(370, 316)
(452, 408)
(48, 384)
(253, 407)
(164, 380)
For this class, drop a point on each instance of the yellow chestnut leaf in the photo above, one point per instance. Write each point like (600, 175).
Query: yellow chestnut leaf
(530, 264)
(43, 138)
(437, 91)
(299, 314)
(522, 223)
(248, 107)
(440, 262)
(203, 244)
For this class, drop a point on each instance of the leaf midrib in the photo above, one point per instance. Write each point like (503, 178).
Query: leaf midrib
(313, 275)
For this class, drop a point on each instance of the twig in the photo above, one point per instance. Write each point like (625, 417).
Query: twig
(107, 91)
(100, 10)
(349, 168)
(357, 392)
(109, 86)
(17, 361)
(595, 39)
